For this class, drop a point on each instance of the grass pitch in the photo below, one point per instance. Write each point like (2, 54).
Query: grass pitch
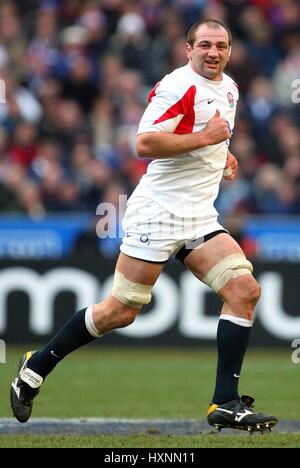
(154, 383)
(150, 441)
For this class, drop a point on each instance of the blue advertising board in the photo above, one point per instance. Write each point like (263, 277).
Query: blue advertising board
(51, 237)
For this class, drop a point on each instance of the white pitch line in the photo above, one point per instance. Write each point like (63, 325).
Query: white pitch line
(104, 420)
(124, 426)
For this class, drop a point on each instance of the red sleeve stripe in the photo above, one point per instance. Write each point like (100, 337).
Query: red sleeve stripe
(152, 92)
(184, 106)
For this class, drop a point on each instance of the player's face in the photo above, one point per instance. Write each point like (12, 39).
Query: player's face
(210, 52)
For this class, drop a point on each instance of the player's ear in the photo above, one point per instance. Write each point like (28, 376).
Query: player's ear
(229, 52)
(188, 49)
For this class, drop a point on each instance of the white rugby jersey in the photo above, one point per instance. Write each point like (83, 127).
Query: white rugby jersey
(183, 102)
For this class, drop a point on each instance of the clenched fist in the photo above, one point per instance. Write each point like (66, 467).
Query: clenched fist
(231, 168)
(217, 129)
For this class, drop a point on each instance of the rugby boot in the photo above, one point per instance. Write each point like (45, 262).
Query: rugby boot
(239, 414)
(24, 389)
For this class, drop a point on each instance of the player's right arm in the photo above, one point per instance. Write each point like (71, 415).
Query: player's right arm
(166, 128)
(163, 144)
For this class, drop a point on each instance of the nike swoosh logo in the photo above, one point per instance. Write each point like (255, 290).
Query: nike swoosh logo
(210, 101)
(236, 375)
(53, 354)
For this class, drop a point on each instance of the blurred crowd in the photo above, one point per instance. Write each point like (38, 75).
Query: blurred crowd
(77, 76)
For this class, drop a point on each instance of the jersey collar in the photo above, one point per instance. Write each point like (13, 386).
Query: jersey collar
(202, 79)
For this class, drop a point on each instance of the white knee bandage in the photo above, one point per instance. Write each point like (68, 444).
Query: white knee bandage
(231, 266)
(132, 294)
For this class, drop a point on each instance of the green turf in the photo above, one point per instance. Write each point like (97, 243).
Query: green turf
(150, 441)
(160, 383)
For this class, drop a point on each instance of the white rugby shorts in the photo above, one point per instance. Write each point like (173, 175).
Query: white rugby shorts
(153, 233)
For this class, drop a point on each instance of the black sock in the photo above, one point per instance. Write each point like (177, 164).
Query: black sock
(232, 343)
(71, 336)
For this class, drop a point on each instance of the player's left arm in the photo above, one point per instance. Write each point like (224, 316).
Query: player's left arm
(231, 167)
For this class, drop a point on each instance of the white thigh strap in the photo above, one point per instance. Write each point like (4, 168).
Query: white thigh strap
(130, 293)
(229, 267)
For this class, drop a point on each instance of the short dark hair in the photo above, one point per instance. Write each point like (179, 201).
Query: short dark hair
(213, 23)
